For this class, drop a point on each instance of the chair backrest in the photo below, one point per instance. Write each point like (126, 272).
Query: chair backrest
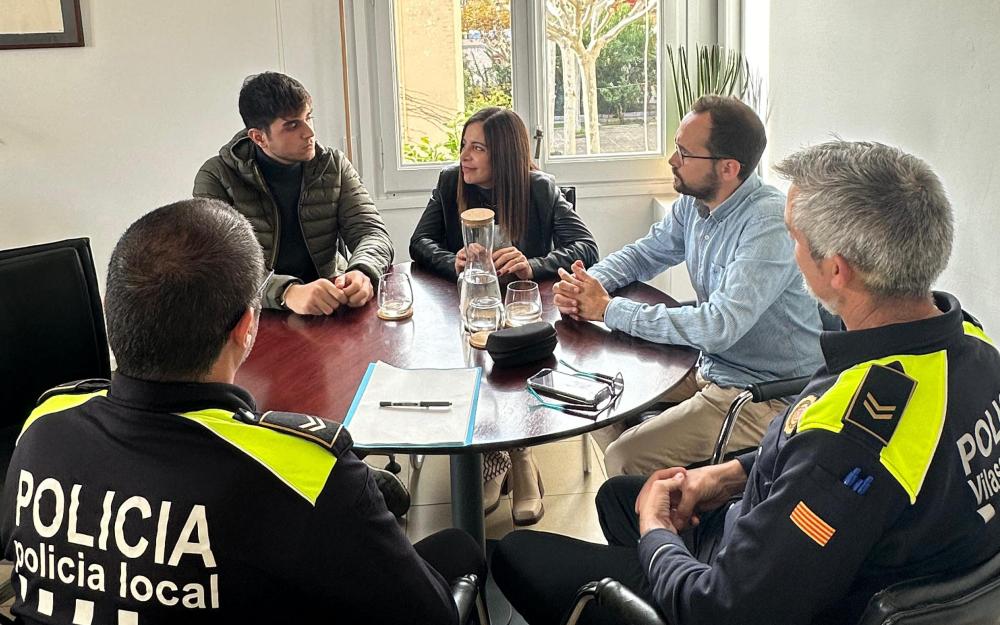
(969, 598)
(570, 194)
(51, 327)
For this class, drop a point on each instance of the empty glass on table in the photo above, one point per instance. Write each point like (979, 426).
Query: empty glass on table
(395, 296)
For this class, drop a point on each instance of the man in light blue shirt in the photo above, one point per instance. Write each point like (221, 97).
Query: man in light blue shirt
(753, 321)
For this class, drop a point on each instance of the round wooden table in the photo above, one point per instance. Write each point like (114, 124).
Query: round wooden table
(313, 365)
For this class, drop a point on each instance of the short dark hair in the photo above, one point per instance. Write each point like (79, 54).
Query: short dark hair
(737, 131)
(177, 279)
(266, 97)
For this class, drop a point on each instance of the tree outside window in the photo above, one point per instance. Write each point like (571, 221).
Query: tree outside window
(601, 84)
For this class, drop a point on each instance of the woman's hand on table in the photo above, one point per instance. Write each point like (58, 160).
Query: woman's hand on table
(510, 260)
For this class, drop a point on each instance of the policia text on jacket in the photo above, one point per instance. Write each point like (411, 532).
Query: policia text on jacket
(130, 525)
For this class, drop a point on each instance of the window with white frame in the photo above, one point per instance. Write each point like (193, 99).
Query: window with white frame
(587, 74)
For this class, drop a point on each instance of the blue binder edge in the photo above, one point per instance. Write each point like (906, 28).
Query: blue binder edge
(475, 407)
(361, 391)
(472, 412)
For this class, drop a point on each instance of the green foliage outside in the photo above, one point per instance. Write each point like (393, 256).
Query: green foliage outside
(484, 86)
(619, 70)
(619, 74)
(423, 151)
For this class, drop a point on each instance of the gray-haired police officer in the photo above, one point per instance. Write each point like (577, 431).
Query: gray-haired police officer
(884, 469)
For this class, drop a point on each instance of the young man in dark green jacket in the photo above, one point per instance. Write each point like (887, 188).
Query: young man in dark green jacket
(312, 215)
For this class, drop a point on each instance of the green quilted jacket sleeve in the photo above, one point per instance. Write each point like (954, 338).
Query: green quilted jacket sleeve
(361, 226)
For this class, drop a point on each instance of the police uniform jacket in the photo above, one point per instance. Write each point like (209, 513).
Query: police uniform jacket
(884, 469)
(150, 503)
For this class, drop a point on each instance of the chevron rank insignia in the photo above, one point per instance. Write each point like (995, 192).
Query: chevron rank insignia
(879, 402)
(302, 425)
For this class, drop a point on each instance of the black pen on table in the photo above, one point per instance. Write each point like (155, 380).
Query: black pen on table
(414, 404)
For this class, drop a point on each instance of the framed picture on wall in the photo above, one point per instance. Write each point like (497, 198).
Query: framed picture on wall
(40, 24)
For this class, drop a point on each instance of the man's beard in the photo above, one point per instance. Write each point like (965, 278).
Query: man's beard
(707, 191)
(830, 307)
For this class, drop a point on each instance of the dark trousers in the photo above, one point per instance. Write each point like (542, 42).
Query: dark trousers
(453, 553)
(539, 572)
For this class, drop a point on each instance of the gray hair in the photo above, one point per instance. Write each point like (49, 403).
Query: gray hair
(880, 208)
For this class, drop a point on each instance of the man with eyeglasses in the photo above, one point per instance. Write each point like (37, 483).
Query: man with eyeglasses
(753, 320)
(165, 496)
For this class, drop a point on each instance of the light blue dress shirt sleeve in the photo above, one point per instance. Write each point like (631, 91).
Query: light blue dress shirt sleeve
(661, 248)
(762, 269)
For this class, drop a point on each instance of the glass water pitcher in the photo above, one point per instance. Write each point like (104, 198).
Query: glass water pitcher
(480, 301)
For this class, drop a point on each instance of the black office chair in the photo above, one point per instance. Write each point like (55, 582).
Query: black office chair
(969, 598)
(51, 329)
(465, 592)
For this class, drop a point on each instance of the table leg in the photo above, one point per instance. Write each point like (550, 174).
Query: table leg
(467, 514)
(467, 495)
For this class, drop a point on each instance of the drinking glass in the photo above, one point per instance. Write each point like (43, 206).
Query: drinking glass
(395, 296)
(523, 303)
(484, 314)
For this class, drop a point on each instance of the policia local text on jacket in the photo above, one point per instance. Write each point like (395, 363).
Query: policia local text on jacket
(885, 469)
(163, 502)
(335, 213)
(554, 238)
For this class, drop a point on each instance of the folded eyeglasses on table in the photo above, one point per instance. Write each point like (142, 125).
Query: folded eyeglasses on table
(616, 384)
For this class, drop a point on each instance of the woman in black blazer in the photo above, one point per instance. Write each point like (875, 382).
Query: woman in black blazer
(540, 232)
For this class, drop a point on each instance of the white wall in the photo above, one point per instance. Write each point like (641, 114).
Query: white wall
(91, 138)
(920, 74)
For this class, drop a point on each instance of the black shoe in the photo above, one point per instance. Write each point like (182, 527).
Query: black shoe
(397, 498)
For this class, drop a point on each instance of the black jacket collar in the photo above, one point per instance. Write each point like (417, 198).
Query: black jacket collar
(178, 396)
(845, 349)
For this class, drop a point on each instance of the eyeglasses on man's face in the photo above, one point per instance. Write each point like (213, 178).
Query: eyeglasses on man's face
(683, 155)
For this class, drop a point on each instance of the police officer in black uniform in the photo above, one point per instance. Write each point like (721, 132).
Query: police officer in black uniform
(884, 469)
(165, 496)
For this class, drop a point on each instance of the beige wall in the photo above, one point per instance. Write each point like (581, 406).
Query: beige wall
(924, 79)
(429, 61)
(91, 138)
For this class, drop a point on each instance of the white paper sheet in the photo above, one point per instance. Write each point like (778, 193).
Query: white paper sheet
(372, 426)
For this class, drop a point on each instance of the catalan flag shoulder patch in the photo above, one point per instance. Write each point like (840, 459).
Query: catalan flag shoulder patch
(811, 524)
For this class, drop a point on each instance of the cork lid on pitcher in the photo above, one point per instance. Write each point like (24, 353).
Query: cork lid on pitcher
(475, 217)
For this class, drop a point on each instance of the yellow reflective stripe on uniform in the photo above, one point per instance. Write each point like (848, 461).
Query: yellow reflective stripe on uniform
(58, 403)
(972, 329)
(302, 465)
(910, 450)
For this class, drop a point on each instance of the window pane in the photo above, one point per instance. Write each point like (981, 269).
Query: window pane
(602, 82)
(452, 58)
